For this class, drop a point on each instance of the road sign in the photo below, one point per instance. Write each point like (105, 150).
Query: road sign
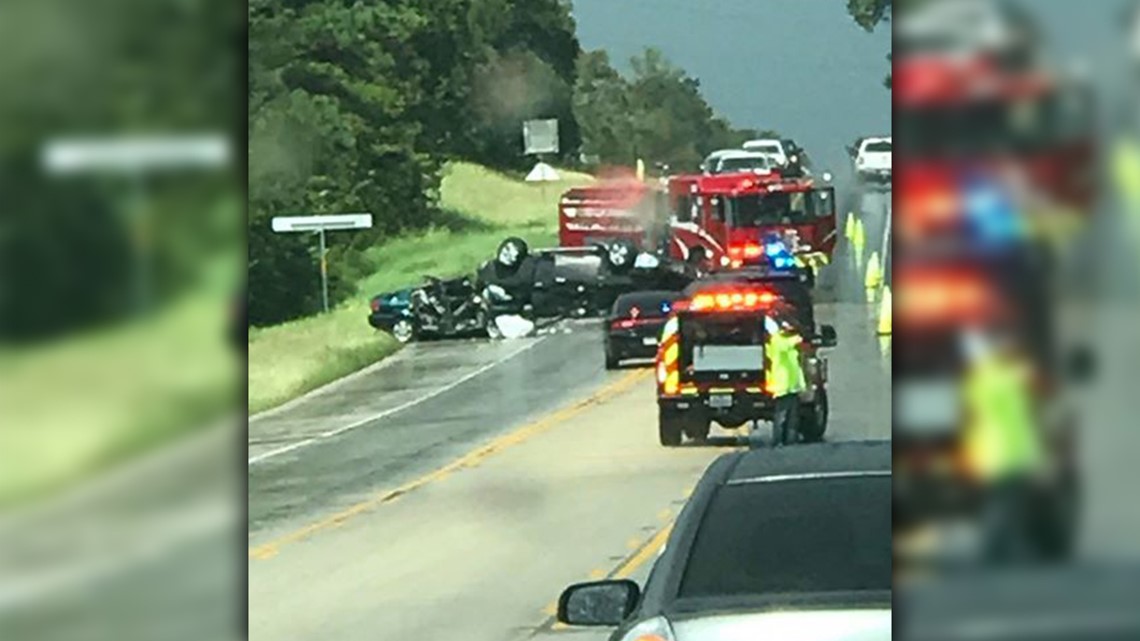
(319, 225)
(134, 157)
(132, 154)
(285, 224)
(540, 136)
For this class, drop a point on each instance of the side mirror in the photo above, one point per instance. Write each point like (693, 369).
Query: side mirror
(826, 337)
(1080, 365)
(598, 603)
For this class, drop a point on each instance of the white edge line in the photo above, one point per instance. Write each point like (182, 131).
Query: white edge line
(392, 410)
(396, 356)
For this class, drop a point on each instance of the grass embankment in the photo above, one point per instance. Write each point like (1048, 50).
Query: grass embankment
(288, 360)
(80, 405)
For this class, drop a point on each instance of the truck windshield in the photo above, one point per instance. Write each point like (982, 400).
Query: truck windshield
(723, 342)
(754, 210)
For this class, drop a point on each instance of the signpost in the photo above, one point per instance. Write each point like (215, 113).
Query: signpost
(319, 225)
(135, 157)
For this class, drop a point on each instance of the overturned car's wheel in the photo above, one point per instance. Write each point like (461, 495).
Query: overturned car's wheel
(620, 255)
(512, 252)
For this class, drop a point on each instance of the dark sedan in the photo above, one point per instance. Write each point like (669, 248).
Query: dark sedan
(392, 312)
(634, 325)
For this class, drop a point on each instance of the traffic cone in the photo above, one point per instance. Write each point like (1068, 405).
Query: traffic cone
(874, 272)
(849, 231)
(885, 313)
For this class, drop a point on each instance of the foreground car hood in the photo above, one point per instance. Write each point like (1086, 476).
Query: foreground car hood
(814, 625)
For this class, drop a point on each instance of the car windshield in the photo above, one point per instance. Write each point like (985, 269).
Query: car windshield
(753, 210)
(818, 536)
(648, 305)
(879, 146)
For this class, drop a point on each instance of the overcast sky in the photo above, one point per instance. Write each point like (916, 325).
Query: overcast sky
(802, 67)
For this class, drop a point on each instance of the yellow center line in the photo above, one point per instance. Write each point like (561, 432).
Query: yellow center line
(270, 548)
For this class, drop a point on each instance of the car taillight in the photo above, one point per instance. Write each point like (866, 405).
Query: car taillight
(622, 324)
(375, 304)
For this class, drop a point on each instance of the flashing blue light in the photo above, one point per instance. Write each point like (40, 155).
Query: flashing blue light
(783, 262)
(665, 307)
(991, 212)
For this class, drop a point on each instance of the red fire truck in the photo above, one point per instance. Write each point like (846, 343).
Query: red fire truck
(612, 210)
(951, 110)
(721, 221)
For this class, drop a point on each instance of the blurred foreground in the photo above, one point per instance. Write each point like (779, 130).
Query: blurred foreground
(1017, 311)
(122, 258)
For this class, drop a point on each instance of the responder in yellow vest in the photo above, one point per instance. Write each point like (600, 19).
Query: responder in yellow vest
(785, 378)
(1003, 440)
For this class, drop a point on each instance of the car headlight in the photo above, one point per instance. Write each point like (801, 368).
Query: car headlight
(655, 629)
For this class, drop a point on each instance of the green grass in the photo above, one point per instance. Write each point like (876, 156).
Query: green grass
(288, 360)
(486, 195)
(82, 404)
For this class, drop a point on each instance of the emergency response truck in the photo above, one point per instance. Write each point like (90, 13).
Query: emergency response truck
(711, 363)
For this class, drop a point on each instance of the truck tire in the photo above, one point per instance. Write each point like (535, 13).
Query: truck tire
(813, 418)
(669, 426)
(1055, 518)
(697, 427)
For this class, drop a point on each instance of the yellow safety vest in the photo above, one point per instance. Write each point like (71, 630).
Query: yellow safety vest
(785, 373)
(1002, 438)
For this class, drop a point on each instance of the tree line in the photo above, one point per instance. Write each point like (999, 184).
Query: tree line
(355, 106)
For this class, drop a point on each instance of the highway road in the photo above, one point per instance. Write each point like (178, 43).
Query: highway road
(452, 491)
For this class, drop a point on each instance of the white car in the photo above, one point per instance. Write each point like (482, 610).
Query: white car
(770, 146)
(736, 160)
(873, 160)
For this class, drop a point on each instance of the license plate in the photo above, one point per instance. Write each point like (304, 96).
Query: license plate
(649, 340)
(720, 400)
(929, 408)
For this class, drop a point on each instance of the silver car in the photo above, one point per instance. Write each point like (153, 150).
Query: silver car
(791, 543)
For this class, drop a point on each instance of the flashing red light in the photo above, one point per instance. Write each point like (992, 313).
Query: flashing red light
(731, 301)
(623, 324)
(941, 297)
(749, 250)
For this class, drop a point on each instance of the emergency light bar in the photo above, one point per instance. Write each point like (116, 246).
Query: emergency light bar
(732, 300)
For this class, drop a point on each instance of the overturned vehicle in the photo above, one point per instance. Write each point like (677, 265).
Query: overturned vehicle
(520, 287)
(575, 281)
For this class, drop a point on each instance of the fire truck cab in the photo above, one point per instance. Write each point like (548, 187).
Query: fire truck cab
(711, 363)
(720, 221)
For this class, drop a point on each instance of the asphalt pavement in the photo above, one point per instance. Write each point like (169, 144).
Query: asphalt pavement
(453, 491)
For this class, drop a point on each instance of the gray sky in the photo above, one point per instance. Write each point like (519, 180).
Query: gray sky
(802, 67)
